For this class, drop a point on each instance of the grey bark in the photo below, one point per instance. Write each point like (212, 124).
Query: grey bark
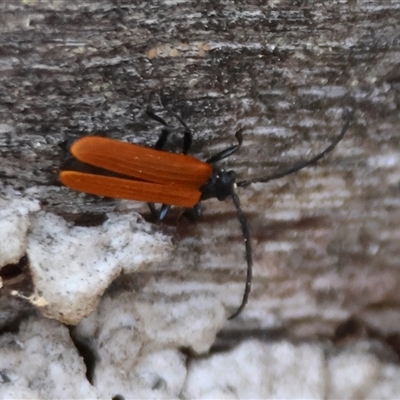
(326, 241)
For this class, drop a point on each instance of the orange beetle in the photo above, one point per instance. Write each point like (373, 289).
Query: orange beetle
(156, 176)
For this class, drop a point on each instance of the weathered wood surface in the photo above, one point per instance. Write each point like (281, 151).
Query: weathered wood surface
(326, 241)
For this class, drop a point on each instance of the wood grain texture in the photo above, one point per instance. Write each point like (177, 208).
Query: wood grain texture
(327, 240)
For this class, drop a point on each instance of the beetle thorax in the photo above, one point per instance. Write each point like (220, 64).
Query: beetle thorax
(220, 185)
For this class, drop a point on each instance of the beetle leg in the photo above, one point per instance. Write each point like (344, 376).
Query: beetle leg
(229, 151)
(187, 142)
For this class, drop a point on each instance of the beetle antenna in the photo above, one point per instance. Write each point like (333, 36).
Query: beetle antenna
(249, 258)
(301, 164)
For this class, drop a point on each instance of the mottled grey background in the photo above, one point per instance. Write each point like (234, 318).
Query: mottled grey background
(326, 241)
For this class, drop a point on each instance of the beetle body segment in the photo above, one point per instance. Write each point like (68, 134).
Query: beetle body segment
(146, 174)
(141, 162)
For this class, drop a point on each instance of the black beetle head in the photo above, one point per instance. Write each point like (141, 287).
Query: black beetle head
(220, 185)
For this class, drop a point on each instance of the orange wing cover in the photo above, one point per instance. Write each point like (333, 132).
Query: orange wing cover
(151, 175)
